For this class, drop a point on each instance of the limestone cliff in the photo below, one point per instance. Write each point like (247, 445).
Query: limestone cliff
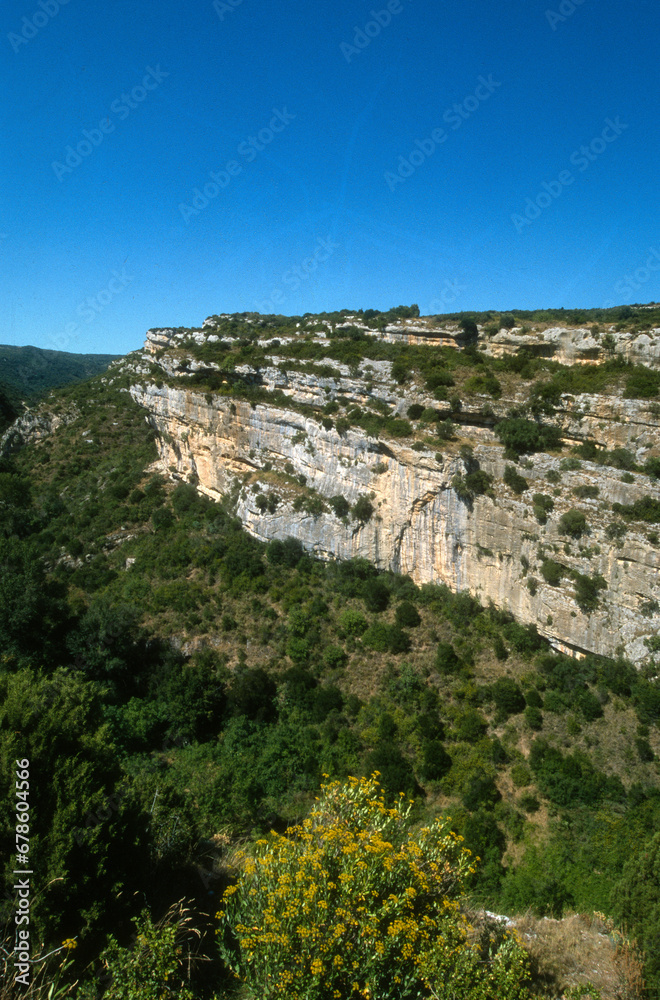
(269, 455)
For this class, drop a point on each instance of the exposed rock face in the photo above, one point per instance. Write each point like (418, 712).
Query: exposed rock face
(420, 526)
(570, 346)
(34, 425)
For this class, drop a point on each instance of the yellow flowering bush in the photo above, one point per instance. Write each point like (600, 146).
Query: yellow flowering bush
(349, 905)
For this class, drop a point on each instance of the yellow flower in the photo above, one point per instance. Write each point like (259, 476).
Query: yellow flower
(69, 943)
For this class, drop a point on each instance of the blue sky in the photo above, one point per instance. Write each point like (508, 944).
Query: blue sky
(164, 162)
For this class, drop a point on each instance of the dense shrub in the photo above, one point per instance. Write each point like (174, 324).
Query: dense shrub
(573, 523)
(586, 492)
(376, 595)
(160, 959)
(525, 639)
(552, 572)
(543, 505)
(586, 590)
(362, 510)
(386, 638)
(481, 793)
(514, 480)
(534, 718)
(568, 779)
(339, 505)
(470, 726)
(485, 383)
(407, 615)
(507, 695)
(252, 694)
(286, 553)
(645, 509)
(652, 467)
(436, 762)
(471, 485)
(621, 458)
(355, 906)
(436, 378)
(615, 531)
(352, 622)
(589, 705)
(447, 660)
(521, 436)
(642, 383)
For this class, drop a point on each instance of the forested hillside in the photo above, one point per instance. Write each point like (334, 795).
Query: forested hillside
(182, 689)
(28, 372)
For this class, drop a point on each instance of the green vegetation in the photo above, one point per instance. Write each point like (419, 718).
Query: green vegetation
(29, 372)
(182, 690)
(645, 509)
(387, 924)
(514, 480)
(574, 523)
(552, 572)
(586, 591)
(9, 408)
(543, 505)
(520, 436)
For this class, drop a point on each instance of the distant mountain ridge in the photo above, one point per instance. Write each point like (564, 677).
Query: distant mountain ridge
(28, 372)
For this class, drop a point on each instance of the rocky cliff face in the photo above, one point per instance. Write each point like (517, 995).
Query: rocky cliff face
(34, 426)
(282, 466)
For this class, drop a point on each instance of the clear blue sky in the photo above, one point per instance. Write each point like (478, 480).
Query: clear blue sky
(98, 247)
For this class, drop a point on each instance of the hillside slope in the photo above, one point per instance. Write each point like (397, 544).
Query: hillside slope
(29, 372)
(183, 686)
(497, 471)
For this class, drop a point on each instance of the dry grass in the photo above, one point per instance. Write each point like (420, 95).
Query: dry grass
(580, 949)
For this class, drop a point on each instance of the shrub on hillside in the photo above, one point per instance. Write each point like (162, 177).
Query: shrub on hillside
(340, 505)
(514, 480)
(436, 762)
(586, 591)
(447, 660)
(543, 505)
(407, 615)
(352, 622)
(352, 904)
(636, 905)
(415, 411)
(573, 523)
(552, 572)
(520, 436)
(647, 508)
(386, 638)
(507, 695)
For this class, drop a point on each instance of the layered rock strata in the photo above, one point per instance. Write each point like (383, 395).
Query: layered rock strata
(492, 546)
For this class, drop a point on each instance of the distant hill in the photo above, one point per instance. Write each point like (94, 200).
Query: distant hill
(28, 372)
